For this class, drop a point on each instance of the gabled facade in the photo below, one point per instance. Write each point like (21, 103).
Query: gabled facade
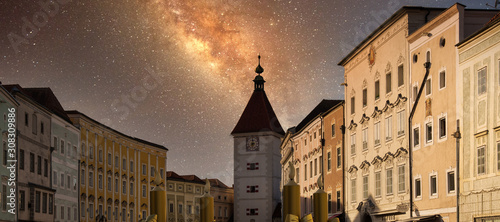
(434, 122)
(223, 200)
(34, 191)
(479, 95)
(376, 146)
(333, 153)
(183, 197)
(8, 110)
(64, 145)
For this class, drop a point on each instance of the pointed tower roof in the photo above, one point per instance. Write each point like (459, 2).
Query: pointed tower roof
(258, 115)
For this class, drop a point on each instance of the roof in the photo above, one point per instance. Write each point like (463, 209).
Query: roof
(218, 183)
(171, 175)
(322, 107)
(402, 11)
(16, 88)
(75, 112)
(493, 22)
(258, 116)
(46, 98)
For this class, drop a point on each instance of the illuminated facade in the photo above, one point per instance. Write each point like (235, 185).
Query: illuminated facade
(7, 102)
(183, 197)
(434, 178)
(116, 171)
(223, 200)
(479, 79)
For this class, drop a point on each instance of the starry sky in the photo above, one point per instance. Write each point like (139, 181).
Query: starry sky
(179, 73)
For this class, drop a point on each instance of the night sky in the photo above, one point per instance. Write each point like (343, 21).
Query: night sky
(179, 73)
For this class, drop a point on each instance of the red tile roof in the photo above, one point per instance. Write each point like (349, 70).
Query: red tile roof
(258, 116)
(218, 183)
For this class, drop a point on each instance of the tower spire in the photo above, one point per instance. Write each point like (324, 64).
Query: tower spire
(259, 80)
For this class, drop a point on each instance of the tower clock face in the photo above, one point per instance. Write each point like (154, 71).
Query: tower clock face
(252, 143)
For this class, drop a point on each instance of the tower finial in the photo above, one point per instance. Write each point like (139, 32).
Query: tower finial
(259, 68)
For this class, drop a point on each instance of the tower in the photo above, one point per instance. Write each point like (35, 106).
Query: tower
(257, 137)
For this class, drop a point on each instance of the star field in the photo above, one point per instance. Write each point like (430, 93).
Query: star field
(178, 73)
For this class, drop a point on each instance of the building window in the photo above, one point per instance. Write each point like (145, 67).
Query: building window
(91, 179)
(377, 89)
(498, 155)
(34, 124)
(124, 187)
(378, 185)
(100, 156)
(365, 187)
(389, 181)
(44, 203)
(329, 161)
(21, 159)
(428, 132)
(68, 184)
(171, 207)
(39, 165)
(376, 133)
(99, 181)
(253, 211)
(117, 163)
(144, 191)
(428, 87)
(481, 160)
(352, 105)
(401, 79)
(442, 127)
(131, 166)
(22, 200)
(305, 171)
(144, 169)
(311, 169)
(333, 129)
(131, 188)
(353, 190)
(82, 177)
(4, 197)
(482, 81)
(415, 93)
(442, 79)
(32, 162)
(433, 184)
(388, 128)
(82, 209)
(388, 83)
(298, 175)
(62, 146)
(365, 97)
(329, 203)
(339, 158)
(109, 159)
(418, 188)
(365, 139)
(152, 171)
(91, 152)
(338, 200)
(451, 181)
(353, 144)
(26, 121)
(180, 209)
(116, 185)
(62, 212)
(124, 164)
(37, 201)
(315, 166)
(46, 167)
(401, 123)
(401, 179)
(416, 136)
(91, 210)
(109, 183)
(54, 178)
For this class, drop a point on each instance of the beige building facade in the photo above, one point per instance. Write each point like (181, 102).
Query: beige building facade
(479, 81)
(376, 145)
(183, 197)
(223, 200)
(434, 178)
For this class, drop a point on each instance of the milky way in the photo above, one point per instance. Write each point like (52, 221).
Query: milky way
(101, 58)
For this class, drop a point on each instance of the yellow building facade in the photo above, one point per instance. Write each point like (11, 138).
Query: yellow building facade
(116, 171)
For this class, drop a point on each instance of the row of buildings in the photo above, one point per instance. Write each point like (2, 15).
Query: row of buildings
(418, 136)
(70, 167)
